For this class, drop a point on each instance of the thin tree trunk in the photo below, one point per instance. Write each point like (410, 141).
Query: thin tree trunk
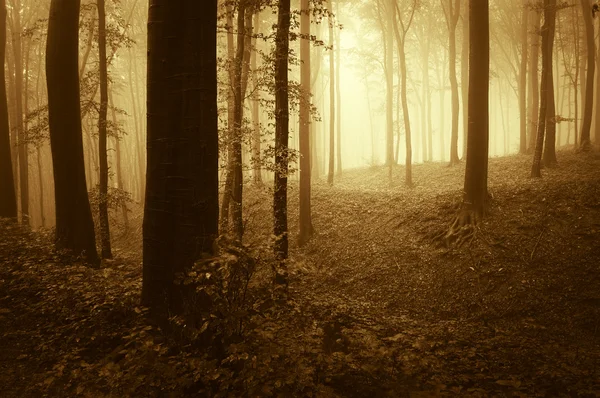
(305, 219)
(281, 142)
(119, 167)
(549, 15)
(338, 95)
(523, 80)
(22, 139)
(8, 202)
(102, 136)
(534, 93)
(588, 104)
(256, 136)
(331, 100)
(464, 76)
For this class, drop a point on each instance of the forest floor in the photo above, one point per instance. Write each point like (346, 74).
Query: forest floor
(377, 306)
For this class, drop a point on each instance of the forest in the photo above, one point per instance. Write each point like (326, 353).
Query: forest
(300, 198)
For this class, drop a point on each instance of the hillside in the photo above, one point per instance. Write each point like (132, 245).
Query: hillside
(377, 306)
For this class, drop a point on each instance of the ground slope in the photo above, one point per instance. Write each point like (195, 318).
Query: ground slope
(379, 308)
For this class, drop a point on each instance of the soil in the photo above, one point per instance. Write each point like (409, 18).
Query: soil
(513, 312)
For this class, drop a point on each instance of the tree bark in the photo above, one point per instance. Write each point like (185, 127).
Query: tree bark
(74, 224)
(588, 104)
(281, 141)
(452, 15)
(331, 97)
(181, 209)
(534, 93)
(475, 188)
(305, 218)
(8, 202)
(22, 139)
(102, 135)
(338, 94)
(547, 33)
(464, 76)
(523, 80)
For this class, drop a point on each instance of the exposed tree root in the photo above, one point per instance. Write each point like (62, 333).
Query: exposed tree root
(461, 231)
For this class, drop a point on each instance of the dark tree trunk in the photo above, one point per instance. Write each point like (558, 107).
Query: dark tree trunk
(74, 224)
(305, 219)
(281, 141)
(588, 104)
(338, 94)
(547, 33)
(389, 103)
(102, 135)
(8, 203)
(238, 116)
(331, 168)
(550, 139)
(464, 76)
(523, 80)
(256, 136)
(228, 187)
(22, 139)
(181, 210)
(452, 15)
(118, 161)
(475, 189)
(534, 93)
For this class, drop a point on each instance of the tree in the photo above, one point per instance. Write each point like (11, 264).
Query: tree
(74, 224)
(523, 80)
(305, 219)
(597, 113)
(451, 14)
(545, 85)
(475, 187)
(533, 88)
(181, 209)
(401, 43)
(331, 97)
(8, 202)
(588, 104)
(23, 147)
(550, 139)
(282, 47)
(102, 135)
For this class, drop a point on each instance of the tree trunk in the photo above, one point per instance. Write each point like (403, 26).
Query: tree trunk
(305, 219)
(181, 209)
(238, 117)
(549, 18)
(228, 187)
(74, 224)
(102, 135)
(8, 203)
(464, 76)
(22, 139)
(400, 41)
(256, 136)
(281, 141)
(589, 85)
(475, 188)
(452, 20)
(389, 79)
(331, 99)
(118, 156)
(523, 80)
(338, 94)
(550, 139)
(597, 113)
(534, 93)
